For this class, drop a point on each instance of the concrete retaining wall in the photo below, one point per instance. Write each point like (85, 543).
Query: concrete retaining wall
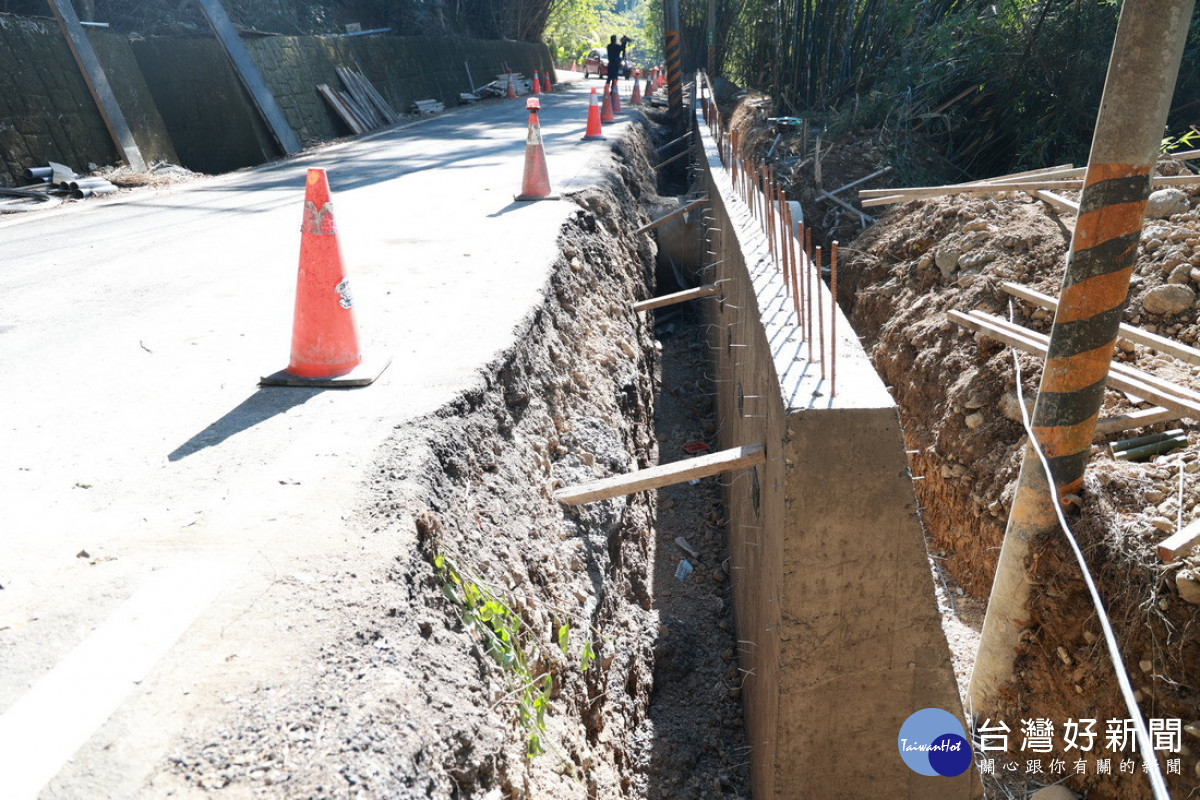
(46, 110)
(213, 120)
(184, 102)
(840, 637)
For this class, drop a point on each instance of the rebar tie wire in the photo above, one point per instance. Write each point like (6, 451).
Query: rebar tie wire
(1158, 784)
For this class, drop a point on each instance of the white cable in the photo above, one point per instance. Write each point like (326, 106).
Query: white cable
(1158, 784)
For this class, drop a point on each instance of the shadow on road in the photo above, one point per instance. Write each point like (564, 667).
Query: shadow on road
(258, 407)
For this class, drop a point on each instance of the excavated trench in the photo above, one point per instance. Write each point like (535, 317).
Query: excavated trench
(519, 648)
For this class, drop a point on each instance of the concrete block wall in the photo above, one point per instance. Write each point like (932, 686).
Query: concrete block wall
(402, 69)
(46, 110)
(839, 635)
(185, 104)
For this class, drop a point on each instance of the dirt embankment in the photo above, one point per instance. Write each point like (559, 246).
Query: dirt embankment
(507, 624)
(961, 416)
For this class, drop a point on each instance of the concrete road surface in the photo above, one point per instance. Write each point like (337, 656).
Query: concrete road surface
(143, 473)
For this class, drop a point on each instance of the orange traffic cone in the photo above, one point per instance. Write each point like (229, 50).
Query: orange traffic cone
(636, 99)
(606, 112)
(536, 184)
(660, 81)
(325, 349)
(594, 129)
(616, 98)
(546, 87)
(536, 86)
(512, 87)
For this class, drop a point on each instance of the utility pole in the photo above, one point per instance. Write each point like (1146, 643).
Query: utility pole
(674, 49)
(1133, 110)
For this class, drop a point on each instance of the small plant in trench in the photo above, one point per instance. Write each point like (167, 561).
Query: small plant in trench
(506, 638)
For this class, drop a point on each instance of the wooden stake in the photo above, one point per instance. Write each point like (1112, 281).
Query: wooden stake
(664, 475)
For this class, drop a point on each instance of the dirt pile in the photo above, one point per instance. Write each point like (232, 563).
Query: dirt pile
(956, 391)
(507, 625)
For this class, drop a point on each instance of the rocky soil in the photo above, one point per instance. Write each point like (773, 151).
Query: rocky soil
(962, 418)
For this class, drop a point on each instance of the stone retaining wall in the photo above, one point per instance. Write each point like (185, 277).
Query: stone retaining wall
(184, 102)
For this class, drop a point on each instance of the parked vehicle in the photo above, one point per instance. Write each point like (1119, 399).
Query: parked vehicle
(596, 64)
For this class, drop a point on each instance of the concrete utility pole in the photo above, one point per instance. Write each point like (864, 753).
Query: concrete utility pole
(674, 49)
(1129, 128)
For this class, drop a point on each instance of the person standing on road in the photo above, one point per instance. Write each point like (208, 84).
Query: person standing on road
(615, 53)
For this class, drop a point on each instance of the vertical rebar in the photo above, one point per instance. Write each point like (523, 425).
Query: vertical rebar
(785, 230)
(798, 273)
(796, 287)
(833, 315)
(768, 202)
(820, 310)
(813, 297)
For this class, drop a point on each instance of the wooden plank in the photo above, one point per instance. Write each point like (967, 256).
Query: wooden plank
(1135, 419)
(641, 480)
(891, 199)
(1154, 383)
(347, 116)
(98, 85)
(1160, 343)
(673, 158)
(1060, 203)
(673, 142)
(251, 78)
(677, 212)
(925, 192)
(1120, 377)
(389, 114)
(1180, 543)
(677, 297)
(852, 184)
(360, 101)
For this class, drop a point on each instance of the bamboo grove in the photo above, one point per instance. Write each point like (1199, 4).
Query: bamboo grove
(992, 85)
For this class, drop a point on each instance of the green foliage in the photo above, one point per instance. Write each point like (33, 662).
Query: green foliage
(576, 26)
(989, 86)
(507, 640)
(1187, 141)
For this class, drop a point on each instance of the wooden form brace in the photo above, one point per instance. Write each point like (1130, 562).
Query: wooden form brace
(640, 480)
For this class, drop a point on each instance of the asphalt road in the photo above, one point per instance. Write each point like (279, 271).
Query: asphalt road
(145, 477)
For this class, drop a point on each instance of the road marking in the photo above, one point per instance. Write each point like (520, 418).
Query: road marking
(44, 728)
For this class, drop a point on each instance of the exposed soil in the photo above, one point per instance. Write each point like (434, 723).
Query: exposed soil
(957, 396)
(956, 392)
(407, 691)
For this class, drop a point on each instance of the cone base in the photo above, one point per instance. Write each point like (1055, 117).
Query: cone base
(594, 138)
(537, 197)
(362, 375)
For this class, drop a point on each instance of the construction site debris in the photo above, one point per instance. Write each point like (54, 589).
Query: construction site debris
(424, 108)
(360, 106)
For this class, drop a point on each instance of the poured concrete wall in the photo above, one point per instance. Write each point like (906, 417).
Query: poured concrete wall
(839, 635)
(46, 110)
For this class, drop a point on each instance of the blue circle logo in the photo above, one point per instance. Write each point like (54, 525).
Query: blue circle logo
(932, 742)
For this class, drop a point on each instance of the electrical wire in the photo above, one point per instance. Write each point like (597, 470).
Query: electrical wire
(1158, 784)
